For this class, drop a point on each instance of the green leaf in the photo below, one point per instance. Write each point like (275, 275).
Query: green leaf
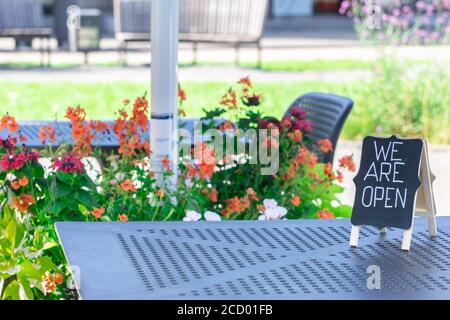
(11, 230)
(87, 199)
(12, 291)
(25, 292)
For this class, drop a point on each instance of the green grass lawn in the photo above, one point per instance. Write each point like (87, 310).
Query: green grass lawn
(393, 102)
(43, 101)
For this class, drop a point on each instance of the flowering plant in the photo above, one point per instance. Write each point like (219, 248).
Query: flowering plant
(68, 183)
(400, 22)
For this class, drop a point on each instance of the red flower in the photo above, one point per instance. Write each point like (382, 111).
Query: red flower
(123, 217)
(98, 212)
(128, 185)
(69, 163)
(328, 170)
(245, 81)
(296, 201)
(23, 202)
(212, 196)
(47, 132)
(347, 162)
(181, 93)
(229, 99)
(325, 145)
(10, 123)
(166, 164)
(296, 135)
(325, 214)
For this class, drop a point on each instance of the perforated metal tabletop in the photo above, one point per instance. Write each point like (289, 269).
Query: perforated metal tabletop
(301, 259)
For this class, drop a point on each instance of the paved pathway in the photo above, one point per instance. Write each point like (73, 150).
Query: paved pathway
(194, 73)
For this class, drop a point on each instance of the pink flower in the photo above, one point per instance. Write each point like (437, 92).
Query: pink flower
(69, 163)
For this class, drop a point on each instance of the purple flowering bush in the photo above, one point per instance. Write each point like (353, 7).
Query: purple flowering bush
(400, 22)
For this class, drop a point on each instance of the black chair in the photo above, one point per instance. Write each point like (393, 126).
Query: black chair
(327, 114)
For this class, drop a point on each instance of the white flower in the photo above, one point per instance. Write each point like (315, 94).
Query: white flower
(270, 203)
(212, 216)
(192, 215)
(272, 211)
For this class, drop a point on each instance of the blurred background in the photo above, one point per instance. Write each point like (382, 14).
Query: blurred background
(390, 57)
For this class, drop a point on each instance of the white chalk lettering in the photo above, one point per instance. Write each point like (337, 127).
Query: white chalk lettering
(384, 172)
(382, 151)
(379, 195)
(394, 176)
(393, 150)
(398, 196)
(369, 172)
(371, 196)
(388, 198)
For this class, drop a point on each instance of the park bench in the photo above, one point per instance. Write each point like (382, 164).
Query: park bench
(326, 112)
(234, 22)
(23, 20)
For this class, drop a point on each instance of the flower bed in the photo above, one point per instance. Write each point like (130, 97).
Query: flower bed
(211, 185)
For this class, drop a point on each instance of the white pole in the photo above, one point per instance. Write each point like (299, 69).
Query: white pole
(164, 84)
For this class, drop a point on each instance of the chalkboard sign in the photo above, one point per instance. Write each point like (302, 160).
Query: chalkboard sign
(390, 174)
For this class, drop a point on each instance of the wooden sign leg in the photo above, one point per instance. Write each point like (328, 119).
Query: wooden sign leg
(407, 236)
(432, 225)
(354, 236)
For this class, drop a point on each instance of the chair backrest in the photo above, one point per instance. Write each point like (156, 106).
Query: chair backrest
(21, 14)
(327, 114)
(233, 18)
(132, 16)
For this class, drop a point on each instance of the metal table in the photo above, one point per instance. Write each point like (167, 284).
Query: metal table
(301, 259)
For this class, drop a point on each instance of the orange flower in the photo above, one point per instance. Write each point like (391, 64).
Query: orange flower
(166, 163)
(312, 160)
(182, 112)
(270, 142)
(213, 195)
(160, 193)
(328, 170)
(252, 194)
(23, 202)
(97, 212)
(340, 176)
(226, 125)
(325, 214)
(296, 201)
(347, 162)
(296, 135)
(48, 283)
(22, 138)
(229, 99)
(237, 205)
(261, 207)
(128, 185)
(9, 122)
(58, 277)
(23, 182)
(47, 132)
(245, 81)
(123, 217)
(15, 184)
(13, 126)
(181, 93)
(325, 145)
